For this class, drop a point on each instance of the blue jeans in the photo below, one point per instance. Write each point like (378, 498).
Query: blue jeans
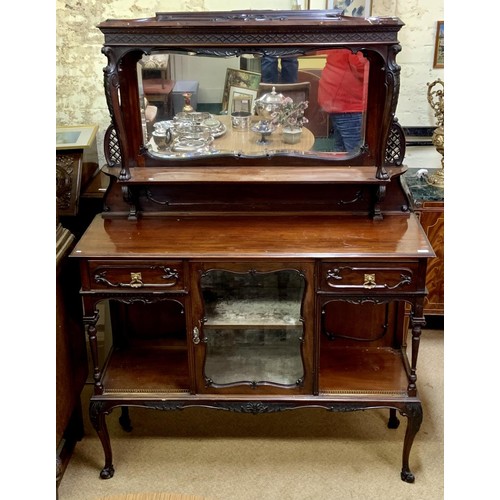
(346, 131)
(289, 70)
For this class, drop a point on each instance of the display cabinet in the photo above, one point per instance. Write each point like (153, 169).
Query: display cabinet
(243, 273)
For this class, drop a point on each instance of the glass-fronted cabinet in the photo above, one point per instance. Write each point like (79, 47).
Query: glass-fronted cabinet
(249, 330)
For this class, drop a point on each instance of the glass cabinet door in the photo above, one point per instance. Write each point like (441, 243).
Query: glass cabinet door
(252, 328)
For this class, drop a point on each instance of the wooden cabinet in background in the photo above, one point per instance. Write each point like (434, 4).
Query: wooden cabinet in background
(71, 354)
(428, 204)
(76, 165)
(80, 184)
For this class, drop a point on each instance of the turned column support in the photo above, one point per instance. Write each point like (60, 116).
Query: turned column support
(417, 320)
(90, 323)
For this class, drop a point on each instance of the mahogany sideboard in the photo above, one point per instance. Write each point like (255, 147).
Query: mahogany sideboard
(258, 282)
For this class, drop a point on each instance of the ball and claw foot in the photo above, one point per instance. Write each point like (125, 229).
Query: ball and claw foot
(107, 472)
(407, 476)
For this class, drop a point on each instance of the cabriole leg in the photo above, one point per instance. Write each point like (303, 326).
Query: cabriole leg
(98, 420)
(413, 412)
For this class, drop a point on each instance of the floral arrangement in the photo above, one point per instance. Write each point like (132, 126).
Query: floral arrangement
(290, 114)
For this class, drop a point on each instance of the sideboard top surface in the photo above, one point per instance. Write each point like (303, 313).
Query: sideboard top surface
(243, 237)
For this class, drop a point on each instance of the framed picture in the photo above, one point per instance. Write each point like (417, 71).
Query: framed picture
(238, 78)
(75, 137)
(353, 8)
(439, 46)
(241, 99)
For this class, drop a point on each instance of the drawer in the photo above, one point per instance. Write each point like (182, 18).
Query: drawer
(136, 275)
(366, 276)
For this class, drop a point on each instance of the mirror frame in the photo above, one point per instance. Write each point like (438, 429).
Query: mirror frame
(233, 33)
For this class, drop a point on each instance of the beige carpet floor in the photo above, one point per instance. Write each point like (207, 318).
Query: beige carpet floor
(296, 455)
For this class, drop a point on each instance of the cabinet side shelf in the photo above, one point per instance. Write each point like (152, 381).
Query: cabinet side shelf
(362, 370)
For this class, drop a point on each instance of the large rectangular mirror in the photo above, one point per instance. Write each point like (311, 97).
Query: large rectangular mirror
(254, 104)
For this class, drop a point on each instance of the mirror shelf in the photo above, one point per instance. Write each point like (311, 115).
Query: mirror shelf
(207, 98)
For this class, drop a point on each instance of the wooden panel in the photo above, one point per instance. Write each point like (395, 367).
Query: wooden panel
(432, 220)
(367, 324)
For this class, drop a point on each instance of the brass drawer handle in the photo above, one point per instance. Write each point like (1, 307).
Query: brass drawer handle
(196, 335)
(136, 280)
(369, 281)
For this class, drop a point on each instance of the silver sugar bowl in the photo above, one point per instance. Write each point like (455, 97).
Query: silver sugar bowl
(268, 104)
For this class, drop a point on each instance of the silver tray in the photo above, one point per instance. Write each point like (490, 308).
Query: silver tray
(191, 145)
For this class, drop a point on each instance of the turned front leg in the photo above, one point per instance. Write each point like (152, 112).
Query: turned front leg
(417, 323)
(98, 420)
(91, 325)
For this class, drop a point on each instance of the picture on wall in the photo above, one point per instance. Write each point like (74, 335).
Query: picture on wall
(353, 8)
(238, 78)
(439, 46)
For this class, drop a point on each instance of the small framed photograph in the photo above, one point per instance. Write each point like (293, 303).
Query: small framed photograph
(238, 78)
(352, 8)
(439, 46)
(241, 99)
(75, 137)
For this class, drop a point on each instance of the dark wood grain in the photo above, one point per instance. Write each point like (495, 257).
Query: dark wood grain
(234, 238)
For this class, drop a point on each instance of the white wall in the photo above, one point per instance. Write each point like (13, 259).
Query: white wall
(209, 72)
(416, 58)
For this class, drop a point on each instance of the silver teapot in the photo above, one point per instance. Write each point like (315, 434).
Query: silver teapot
(162, 137)
(268, 104)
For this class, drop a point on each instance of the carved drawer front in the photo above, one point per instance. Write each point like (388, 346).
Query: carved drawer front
(349, 276)
(136, 275)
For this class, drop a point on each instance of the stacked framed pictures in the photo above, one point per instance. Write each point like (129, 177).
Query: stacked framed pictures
(242, 86)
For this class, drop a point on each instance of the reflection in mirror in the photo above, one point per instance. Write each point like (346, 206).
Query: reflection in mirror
(253, 327)
(196, 105)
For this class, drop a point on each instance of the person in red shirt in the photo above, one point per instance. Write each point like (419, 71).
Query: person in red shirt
(342, 93)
